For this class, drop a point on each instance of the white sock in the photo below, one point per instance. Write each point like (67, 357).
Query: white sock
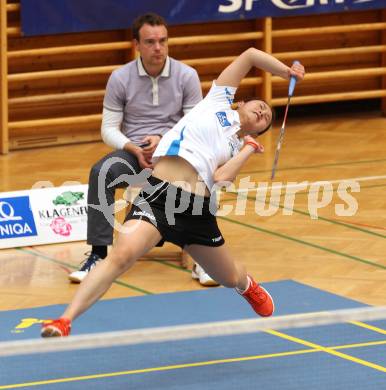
(243, 291)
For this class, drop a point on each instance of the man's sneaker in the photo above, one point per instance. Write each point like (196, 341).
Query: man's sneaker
(88, 264)
(56, 328)
(199, 274)
(259, 298)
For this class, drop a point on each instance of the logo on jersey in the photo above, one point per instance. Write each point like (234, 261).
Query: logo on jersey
(234, 145)
(222, 118)
(229, 96)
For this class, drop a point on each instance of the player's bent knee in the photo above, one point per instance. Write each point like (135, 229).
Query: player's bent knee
(122, 259)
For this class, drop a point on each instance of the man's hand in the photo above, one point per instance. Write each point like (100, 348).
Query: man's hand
(151, 142)
(144, 160)
(145, 153)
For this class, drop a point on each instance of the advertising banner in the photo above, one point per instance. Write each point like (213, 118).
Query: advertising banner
(40, 17)
(43, 216)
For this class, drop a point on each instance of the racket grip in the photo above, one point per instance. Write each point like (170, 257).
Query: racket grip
(292, 83)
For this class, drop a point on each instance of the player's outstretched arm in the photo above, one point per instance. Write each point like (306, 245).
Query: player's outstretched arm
(233, 74)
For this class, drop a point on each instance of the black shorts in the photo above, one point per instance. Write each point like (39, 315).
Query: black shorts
(181, 217)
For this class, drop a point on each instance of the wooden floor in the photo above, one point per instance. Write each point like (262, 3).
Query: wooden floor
(342, 255)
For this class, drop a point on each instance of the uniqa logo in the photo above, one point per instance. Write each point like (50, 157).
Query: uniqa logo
(16, 219)
(7, 213)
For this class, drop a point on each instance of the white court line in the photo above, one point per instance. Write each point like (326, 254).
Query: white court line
(301, 184)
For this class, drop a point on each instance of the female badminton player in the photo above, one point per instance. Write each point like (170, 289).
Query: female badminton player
(203, 148)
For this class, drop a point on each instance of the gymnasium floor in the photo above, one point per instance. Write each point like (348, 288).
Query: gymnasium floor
(331, 262)
(323, 357)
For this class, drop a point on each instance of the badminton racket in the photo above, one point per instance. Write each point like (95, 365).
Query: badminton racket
(291, 88)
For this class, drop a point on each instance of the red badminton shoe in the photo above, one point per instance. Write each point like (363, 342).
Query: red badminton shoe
(259, 298)
(56, 328)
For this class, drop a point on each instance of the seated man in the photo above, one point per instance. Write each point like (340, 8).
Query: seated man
(144, 99)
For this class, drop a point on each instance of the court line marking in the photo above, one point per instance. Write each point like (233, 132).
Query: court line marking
(319, 166)
(188, 365)
(157, 369)
(62, 267)
(361, 224)
(368, 326)
(301, 184)
(62, 263)
(352, 223)
(360, 345)
(333, 221)
(117, 281)
(169, 264)
(137, 289)
(327, 350)
(335, 189)
(286, 237)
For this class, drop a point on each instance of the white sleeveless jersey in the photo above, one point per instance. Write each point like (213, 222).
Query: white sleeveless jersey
(206, 136)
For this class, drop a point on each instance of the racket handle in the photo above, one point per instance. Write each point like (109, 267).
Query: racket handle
(292, 83)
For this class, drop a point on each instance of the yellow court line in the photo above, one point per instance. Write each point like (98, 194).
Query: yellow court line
(359, 345)
(188, 365)
(367, 326)
(327, 350)
(161, 368)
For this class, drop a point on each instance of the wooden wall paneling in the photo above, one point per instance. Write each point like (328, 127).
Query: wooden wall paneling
(13, 19)
(53, 131)
(53, 80)
(267, 47)
(130, 52)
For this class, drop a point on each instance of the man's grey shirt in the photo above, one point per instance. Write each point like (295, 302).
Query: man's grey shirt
(151, 105)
